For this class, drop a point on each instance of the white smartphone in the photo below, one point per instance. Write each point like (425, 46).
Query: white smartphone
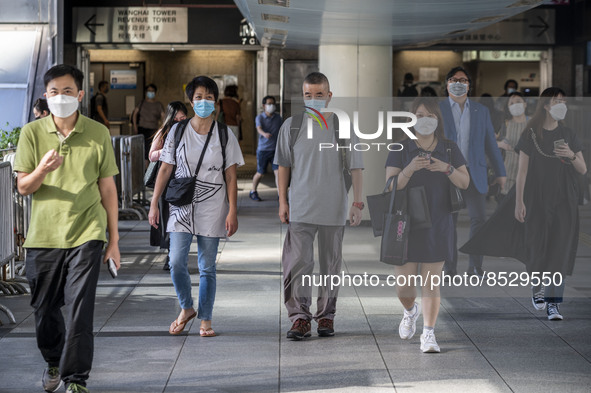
(112, 267)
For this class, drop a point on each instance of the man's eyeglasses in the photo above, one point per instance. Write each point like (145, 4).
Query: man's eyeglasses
(455, 80)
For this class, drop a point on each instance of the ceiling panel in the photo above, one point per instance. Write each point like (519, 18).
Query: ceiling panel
(293, 23)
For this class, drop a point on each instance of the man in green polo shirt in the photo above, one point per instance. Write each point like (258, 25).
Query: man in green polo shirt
(66, 161)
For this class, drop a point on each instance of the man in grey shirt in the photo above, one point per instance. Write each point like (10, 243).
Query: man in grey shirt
(317, 205)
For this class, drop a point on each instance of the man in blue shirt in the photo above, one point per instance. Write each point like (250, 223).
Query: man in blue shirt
(468, 124)
(268, 124)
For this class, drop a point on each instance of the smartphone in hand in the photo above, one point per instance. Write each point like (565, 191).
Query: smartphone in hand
(112, 267)
(559, 143)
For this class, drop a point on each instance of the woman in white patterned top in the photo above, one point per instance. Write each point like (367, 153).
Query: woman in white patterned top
(211, 214)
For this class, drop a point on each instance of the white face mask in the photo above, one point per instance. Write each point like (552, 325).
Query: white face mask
(517, 109)
(426, 125)
(458, 89)
(557, 111)
(270, 108)
(62, 106)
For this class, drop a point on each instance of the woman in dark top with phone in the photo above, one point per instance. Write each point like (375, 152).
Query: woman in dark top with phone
(424, 162)
(547, 196)
(540, 218)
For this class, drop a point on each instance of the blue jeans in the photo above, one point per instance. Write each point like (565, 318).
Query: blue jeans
(207, 249)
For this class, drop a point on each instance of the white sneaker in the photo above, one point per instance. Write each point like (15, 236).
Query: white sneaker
(408, 325)
(537, 298)
(553, 312)
(428, 343)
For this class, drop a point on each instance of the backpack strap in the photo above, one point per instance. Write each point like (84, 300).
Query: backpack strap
(178, 135)
(297, 121)
(223, 135)
(345, 154)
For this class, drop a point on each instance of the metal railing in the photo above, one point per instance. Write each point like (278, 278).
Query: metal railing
(22, 217)
(6, 232)
(129, 154)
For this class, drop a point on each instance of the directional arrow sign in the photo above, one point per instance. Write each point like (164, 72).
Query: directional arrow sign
(89, 23)
(544, 26)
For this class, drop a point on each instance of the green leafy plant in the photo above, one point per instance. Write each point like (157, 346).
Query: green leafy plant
(9, 137)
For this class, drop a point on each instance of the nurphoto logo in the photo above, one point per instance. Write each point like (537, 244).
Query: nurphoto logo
(388, 120)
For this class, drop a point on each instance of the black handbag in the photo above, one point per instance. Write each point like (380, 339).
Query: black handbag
(418, 207)
(396, 227)
(151, 174)
(455, 195)
(180, 191)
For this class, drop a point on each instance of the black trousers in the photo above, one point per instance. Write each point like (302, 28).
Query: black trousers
(59, 277)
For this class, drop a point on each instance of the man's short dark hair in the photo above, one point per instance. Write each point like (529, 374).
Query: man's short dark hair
(317, 78)
(511, 81)
(455, 70)
(62, 70)
(102, 83)
(202, 81)
(269, 97)
(153, 86)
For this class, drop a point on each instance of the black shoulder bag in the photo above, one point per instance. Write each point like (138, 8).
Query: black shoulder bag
(180, 191)
(455, 195)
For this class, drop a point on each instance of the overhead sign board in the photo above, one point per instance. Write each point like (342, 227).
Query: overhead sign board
(510, 55)
(130, 25)
(535, 26)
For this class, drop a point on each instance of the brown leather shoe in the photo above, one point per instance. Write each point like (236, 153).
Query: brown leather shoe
(325, 327)
(300, 329)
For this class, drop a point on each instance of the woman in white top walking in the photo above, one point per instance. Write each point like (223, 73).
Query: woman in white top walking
(212, 214)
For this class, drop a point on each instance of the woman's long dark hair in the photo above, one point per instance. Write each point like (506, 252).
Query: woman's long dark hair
(171, 111)
(536, 123)
(432, 106)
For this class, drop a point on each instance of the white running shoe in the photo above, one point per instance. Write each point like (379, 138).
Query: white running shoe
(408, 325)
(428, 343)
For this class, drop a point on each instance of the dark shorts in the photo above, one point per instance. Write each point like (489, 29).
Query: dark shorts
(264, 157)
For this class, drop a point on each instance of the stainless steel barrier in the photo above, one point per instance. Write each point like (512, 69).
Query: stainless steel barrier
(22, 217)
(6, 231)
(116, 140)
(129, 153)
(6, 218)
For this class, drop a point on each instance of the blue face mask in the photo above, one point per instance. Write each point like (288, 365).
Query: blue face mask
(316, 104)
(203, 108)
(151, 95)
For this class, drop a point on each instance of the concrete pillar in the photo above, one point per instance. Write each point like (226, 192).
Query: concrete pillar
(364, 73)
(262, 68)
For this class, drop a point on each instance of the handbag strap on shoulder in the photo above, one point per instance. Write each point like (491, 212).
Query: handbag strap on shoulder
(204, 148)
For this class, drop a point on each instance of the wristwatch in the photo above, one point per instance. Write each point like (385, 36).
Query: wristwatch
(450, 170)
(574, 157)
(359, 205)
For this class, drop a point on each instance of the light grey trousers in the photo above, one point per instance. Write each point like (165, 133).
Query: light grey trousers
(298, 261)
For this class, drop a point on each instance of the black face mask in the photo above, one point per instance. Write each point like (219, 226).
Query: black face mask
(37, 118)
